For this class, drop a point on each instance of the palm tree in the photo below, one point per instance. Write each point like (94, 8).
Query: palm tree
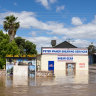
(11, 26)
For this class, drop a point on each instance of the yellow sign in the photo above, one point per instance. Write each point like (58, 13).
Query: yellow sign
(21, 55)
(9, 55)
(31, 55)
(16, 55)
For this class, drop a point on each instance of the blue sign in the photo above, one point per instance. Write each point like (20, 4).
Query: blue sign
(65, 58)
(51, 66)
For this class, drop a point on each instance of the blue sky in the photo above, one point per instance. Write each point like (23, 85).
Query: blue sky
(44, 20)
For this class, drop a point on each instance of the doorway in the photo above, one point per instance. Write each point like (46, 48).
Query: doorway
(70, 68)
(51, 66)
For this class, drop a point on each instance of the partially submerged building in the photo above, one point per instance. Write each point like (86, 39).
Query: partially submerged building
(20, 68)
(62, 58)
(21, 65)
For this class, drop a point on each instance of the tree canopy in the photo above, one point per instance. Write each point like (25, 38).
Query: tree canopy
(6, 47)
(11, 26)
(30, 48)
(11, 46)
(25, 46)
(19, 46)
(91, 49)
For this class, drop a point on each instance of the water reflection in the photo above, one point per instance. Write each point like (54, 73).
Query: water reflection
(81, 77)
(80, 84)
(9, 81)
(2, 81)
(20, 81)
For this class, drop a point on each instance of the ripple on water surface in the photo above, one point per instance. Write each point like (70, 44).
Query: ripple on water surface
(78, 85)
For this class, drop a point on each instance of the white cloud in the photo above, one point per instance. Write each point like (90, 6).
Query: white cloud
(52, 1)
(46, 3)
(28, 20)
(81, 33)
(15, 4)
(59, 8)
(23, 17)
(81, 43)
(76, 21)
(42, 41)
(33, 33)
(94, 21)
(86, 31)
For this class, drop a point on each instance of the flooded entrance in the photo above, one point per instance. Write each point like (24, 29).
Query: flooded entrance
(70, 68)
(51, 66)
(80, 84)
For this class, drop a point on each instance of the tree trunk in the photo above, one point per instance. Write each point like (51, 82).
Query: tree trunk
(11, 35)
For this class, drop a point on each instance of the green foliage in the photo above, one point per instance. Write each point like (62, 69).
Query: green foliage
(91, 49)
(2, 62)
(4, 40)
(21, 44)
(6, 47)
(12, 48)
(30, 48)
(10, 23)
(18, 46)
(26, 47)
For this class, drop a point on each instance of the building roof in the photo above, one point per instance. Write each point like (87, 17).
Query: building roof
(65, 44)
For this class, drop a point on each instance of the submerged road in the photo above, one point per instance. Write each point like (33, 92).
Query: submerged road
(92, 69)
(57, 90)
(81, 85)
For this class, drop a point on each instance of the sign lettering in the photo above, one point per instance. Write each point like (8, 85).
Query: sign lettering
(63, 51)
(65, 58)
(82, 65)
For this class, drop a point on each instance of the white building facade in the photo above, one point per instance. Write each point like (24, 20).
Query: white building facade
(63, 59)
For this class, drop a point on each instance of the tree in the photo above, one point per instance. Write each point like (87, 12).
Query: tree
(11, 26)
(12, 48)
(21, 44)
(26, 47)
(91, 49)
(4, 40)
(7, 47)
(30, 48)
(16, 47)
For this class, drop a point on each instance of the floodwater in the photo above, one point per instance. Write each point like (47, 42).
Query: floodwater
(80, 84)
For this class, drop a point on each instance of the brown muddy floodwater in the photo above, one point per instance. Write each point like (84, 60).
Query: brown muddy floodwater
(78, 85)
